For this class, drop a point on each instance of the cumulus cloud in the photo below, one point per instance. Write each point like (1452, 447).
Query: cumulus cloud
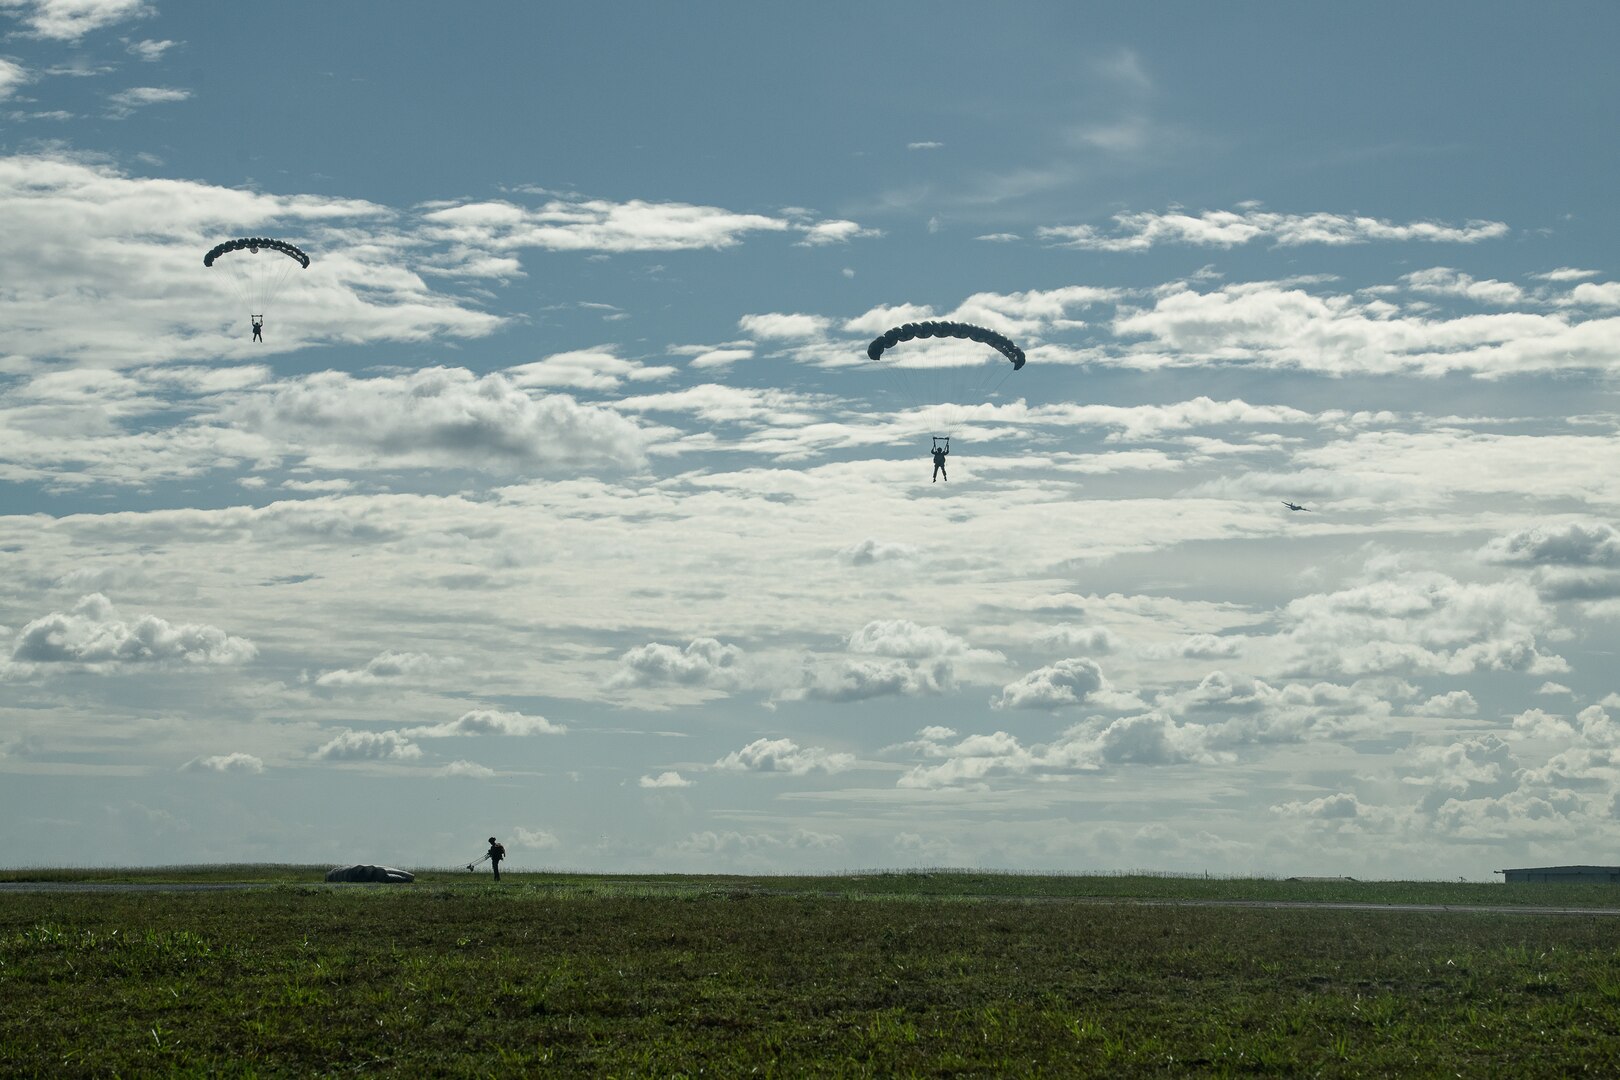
(369, 746)
(1067, 682)
(486, 722)
(225, 763)
(904, 638)
(823, 233)
(1227, 228)
(871, 550)
(777, 325)
(536, 838)
(150, 50)
(1572, 543)
(93, 636)
(1287, 326)
(78, 284)
(784, 755)
(436, 418)
(1090, 640)
(1147, 739)
(1444, 281)
(70, 20)
(12, 75)
(703, 662)
(127, 101)
(1421, 622)
(383, 667)
(462, 767)
(848, 680)
(669, 778)
(1451, 703)
(584, 369)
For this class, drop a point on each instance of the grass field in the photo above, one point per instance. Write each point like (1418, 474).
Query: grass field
(875, 974)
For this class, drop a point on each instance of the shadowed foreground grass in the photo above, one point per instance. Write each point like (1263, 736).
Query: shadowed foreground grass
(676, 976)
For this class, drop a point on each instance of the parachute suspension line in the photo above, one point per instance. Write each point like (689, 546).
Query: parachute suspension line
(945, 391)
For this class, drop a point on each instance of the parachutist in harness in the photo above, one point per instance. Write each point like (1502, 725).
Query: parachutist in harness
(258, 327)
(495, 854)
(939, 459)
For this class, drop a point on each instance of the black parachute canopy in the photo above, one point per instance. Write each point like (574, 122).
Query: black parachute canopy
(254, 244)
(967, 331)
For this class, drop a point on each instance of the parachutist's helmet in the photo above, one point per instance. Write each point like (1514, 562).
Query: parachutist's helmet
(492, 839)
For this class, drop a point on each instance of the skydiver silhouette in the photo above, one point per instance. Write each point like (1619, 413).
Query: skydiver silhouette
(939, 465)
(497, 852)
(258, 329)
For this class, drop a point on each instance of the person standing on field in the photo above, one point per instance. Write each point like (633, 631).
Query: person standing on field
(496, 854)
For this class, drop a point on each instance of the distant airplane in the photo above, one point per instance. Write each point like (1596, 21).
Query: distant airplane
(1296, 506)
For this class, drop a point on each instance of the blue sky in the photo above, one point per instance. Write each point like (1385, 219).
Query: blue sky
(560, 501)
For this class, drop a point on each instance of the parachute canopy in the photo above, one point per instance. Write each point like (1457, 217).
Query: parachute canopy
(940, 387)
(968, 331)
(254, 244)
(256, 269)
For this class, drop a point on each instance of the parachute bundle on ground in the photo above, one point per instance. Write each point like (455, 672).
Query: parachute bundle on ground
(256, 268)
(940, 386)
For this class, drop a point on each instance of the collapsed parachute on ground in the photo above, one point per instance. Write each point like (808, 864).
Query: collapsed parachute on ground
(256, 268)
(909, 331)
(368, 872)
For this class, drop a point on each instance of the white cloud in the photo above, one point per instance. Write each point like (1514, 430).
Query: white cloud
(669, 778)
(1415, 621)
(69, 20)
(847, 680)
(1596, 294)
(12, 75)
(1226, 228)
(369, 746)
(1067, 682)
(150, 50)
(127, 101)
(1572, 543)
(823, 233)
(225, 763)
(462, 767)
(1089, 640)
(872, 550)
(1444, 281)
(486, 722)
(571, 223)
(1285, 326)
(383, 667)
(777, 325)
(539, 839)
(784, 755)
(584, 369)
(78, 285)
(92, 636)
(435, 418)
(927, 145)
(904, 638)
(1451, 703)
(1565, 273)
(703, 662)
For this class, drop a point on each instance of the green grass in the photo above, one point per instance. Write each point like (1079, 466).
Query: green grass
(865, 975)
(918, 883)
